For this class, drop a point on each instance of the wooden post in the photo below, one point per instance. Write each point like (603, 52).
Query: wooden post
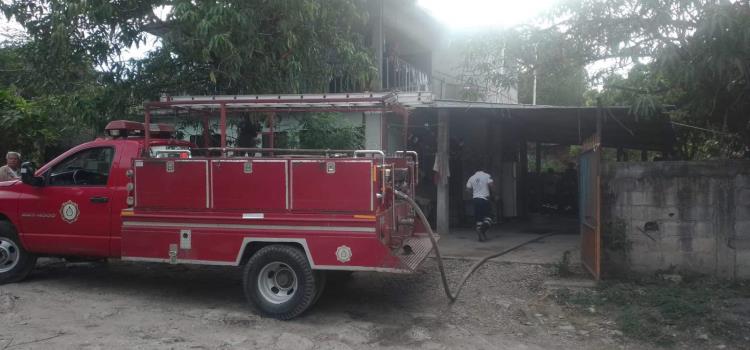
(443, 190)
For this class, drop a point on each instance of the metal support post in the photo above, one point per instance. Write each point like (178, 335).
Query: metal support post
(523, 188)
(206, 132)
(406, 131)
(147, 133)
(223, 125)
(442, 158)
(271, 119)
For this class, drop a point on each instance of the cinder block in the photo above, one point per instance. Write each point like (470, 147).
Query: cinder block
(699, 263)
(676, 229)
(742, 180)
(741, 211)
(742, 228)
(621, 198)
(670, 199)
(645, 213)
(640, 242)
(646, 261)
(704, 229)
(739, 242)
(652, 213)
(743, 197)
(627, 184)
(705, 248)
(642, 198)
(620, 212)
(696, 213)
(742, 265)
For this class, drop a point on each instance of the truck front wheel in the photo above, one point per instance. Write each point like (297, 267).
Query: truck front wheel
(279, 282)
(15, 262)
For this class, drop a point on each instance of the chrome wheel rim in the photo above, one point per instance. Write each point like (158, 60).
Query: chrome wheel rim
(277, 282)
(9, 255)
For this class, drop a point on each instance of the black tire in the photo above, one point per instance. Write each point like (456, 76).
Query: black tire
(291, 264)
(13, 256)
(320, 285)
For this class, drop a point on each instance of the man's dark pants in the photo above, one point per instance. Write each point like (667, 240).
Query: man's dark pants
(481, 209)
(481, 212)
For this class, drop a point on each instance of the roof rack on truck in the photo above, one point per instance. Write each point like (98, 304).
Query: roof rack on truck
(224, 106)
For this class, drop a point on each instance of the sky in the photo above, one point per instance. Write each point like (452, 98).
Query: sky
(482, 14)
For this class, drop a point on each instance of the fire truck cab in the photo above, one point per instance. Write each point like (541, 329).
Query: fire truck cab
(288, 216)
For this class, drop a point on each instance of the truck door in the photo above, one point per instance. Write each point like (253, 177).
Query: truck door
(71, 213)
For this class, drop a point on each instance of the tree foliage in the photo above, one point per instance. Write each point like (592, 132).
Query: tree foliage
(326, 131)
(700, 64)
(510, 59)
(690, 55)
(265, 47)
(70, 68)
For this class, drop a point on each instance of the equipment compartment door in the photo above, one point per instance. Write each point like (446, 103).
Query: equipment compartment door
(332, 185)
(249, 184)
(173, 184)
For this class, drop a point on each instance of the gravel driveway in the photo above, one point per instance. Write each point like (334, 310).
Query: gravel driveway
(120, 305)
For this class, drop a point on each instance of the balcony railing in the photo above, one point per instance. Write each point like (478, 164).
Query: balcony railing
(404, 76)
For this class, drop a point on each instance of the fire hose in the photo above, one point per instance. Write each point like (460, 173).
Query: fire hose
(451, 296)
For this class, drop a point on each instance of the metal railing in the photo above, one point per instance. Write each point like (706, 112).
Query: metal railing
(404, 76)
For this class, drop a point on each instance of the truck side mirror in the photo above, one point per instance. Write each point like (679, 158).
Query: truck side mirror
(27, 175)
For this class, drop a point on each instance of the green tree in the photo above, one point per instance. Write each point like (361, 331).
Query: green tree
(326, 131)
(510, 59)
(70, 64)
(700, 66)
(693, 55)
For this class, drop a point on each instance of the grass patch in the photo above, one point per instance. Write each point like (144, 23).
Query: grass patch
(657, 311)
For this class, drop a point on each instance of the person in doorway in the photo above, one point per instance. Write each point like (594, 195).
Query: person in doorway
(10, 171)
(481, 185)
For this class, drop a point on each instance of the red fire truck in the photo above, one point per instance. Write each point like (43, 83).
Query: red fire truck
(288, 216)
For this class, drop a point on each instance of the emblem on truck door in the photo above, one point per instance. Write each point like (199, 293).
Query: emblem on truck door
(69, 212)
(344, 254)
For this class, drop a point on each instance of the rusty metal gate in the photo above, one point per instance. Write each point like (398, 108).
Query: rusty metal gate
(590, 201)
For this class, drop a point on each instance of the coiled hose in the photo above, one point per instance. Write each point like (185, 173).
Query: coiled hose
(452, 297)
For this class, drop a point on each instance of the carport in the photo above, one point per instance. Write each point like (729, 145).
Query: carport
(453, 137)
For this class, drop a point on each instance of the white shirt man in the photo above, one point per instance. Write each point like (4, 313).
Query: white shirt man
(480, 185)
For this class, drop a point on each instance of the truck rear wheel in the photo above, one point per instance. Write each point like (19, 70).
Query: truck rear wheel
(320, 284)
(15, 262)
(279, 282)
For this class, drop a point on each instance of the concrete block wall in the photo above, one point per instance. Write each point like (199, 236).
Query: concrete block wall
(687, 216)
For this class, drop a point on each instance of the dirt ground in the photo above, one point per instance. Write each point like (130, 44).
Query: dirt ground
(120, 305)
